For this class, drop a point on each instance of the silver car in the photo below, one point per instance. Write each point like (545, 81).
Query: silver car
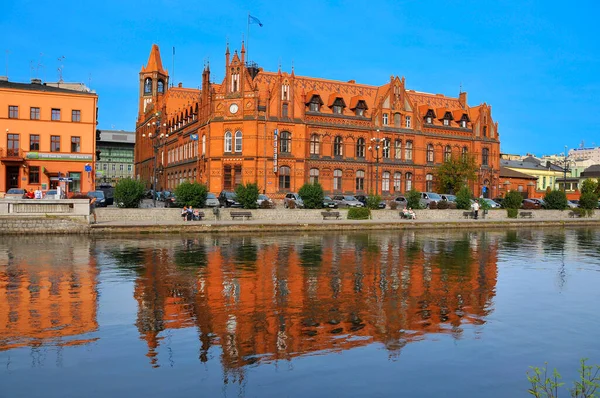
(347, 201)
(427, 198)
(264, 198)
(212, 200)
(293, 197)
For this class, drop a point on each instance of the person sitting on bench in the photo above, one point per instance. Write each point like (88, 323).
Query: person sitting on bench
(185, 213)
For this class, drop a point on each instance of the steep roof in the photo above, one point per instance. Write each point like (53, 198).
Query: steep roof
(154, 62)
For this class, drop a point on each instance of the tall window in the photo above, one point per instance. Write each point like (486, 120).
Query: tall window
(228, 141)
(13, 112)
(315, 104)
(485, 131)
(284, 110)
(397, 181)
(284, 177)
(447, 153)
(75, 144)
(398, 149)
(285, 142)
(34, 142)
(148, 86)
(75, 115)
(314, 176)
(463, 123)
(385, 152)
(360, 109)
(338, 106)
(337, 180)
(360, 180)
(360, 148)
(160, 87)
(34, 174)
(55, 114)
(55, 143)
(465, 152)
(385, 181)
(203, 145)
(397, 119)
(408, 150)
(338, 146)
(314, 144)
(13, 144)
(430, 154)
(385, 119)
(238, 141)
(429, 183)
(407, 122)
(34, 113)
(408, 182)
(485, 156)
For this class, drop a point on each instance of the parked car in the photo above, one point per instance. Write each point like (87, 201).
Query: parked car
(364, 198)
(492, 203)
(427, 198)
(498, 200)
(347, 201)
(448, 197)
(531, 204)
(328, 203)
(14, 193)
(171, 201)
(228, 199)
(109, 193)
(100, 198)
(401, 201)
(293, 197)
(211, 200)
(572, 204)
(262, 198)
(51, 194)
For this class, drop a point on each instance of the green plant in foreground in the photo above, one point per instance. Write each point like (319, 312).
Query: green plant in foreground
(312, 195)
(413, 199)
(128, 193)
(512, 213)
(373, 202)
(191, 194)
(463, 199)
(544, 385)
(247, 195)
(359, 213)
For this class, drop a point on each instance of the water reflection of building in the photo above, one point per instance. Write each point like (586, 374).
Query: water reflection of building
(277, 298)
(46, 296)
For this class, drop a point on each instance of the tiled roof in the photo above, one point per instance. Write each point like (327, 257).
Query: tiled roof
(154, 61)
(509, 173)
(41, 87)
(522, 164)
(592, 171)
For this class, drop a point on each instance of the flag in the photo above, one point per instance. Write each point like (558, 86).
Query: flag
(252, 19)
(194, 137)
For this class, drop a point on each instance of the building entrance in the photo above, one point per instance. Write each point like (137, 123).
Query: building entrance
(12, 177)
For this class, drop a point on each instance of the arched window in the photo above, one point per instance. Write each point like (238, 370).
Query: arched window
(238, 141)
(398, 149)
(314, 144)
(430, 154)
(485, 156)
(203, 145)
(397, 120)
(385, 151)
(337, 180)
(429, 183)
(360, 148)
(148, 86)
(447, 153)
(408, 182)
(284, 177)
(160, 87)
(465, 152)
(408, 151)
(338, 146)
(360, 180)
(285, 142)
(397, 181)
(228, 141)
(314, 176)
(385, 181)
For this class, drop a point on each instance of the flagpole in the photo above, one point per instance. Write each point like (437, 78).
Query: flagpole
(248, 37)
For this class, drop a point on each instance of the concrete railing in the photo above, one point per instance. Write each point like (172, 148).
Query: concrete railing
(74, 208)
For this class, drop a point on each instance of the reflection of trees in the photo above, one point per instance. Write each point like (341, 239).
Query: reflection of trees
(128, 258)
(554, 242)
(587, 241)
(311, 255)
(245, 254)
(512, 241)
(191, 254)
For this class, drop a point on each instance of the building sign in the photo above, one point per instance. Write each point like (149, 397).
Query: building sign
(275, 150)
(59, 156)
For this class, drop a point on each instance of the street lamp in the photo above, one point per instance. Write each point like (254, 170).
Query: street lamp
(377, 144)
(158, 140)
(565, 167)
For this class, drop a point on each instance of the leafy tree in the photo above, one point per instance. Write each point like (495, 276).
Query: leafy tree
(483, 204)
(191, 194)
(455, 172)
(555, 200)
(589, 186)
(247, 195)
(373, 202)
(413, 198)
(512, 200)
(312, 195)
(128, 193)
(463, 198)
(588, 200)
(359, 213)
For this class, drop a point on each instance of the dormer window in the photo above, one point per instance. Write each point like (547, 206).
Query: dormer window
(407, 122)
(446, 122)
(338, 106)
(315, 104)
(463, 124)
(360, 109)
(429, 117)
(447, 118)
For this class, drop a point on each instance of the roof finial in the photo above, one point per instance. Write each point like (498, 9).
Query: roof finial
(460, 90)
(292, 67)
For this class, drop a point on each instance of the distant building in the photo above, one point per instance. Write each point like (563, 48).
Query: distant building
(586, 153)
(547, 173)
(116, 156)
(511, 180)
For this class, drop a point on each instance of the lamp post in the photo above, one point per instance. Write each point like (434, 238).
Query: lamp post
(158, 140)
(565, 172)
(376, 145)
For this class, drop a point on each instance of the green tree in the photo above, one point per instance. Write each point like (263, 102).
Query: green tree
(373, 202)
(413, 199)
(359, 213)
(191, 194)
(455, 172)
(247, 195)
(128, 193)
(555, 200)
(463, 198)
(512, 200)
(589, 186)
(312, 195)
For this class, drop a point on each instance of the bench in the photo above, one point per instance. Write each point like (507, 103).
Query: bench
(242, 214)
(526, 214)
(468, 214)
(198, 216)
(572, 214)
(330, 214)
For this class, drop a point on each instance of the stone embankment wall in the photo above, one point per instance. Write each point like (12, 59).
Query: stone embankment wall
(27, 225)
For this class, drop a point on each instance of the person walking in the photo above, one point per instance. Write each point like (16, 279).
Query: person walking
(93, 208)
(475, 207)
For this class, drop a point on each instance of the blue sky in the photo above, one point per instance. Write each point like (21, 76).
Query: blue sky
(535, 62)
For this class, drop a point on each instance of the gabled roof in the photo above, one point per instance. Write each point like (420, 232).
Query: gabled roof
(333, 97)
(311, 94)
(592, 171)
(154, 62)
(522, 164)
(356, 99)
(509, 173)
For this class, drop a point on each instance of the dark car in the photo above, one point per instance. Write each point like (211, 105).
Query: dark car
(364, 199)
(100, 198)
(531, 204)
(109, 193)
(400, 201)
(328, 203)
(228, 199)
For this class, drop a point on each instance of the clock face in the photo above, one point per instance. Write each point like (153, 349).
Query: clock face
(233, 108)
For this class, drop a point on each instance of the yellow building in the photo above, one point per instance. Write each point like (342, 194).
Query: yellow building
(547, 173)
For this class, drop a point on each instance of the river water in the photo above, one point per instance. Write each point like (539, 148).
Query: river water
(377, 314)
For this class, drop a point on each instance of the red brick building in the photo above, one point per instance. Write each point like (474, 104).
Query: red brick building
(281, 130)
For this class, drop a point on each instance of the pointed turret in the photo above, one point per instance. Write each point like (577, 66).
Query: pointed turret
(154, 62)
(154, 81)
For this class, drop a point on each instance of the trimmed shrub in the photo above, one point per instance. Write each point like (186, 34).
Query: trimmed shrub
(373, 202)
(191, 194)
(413, 198)
(433, 205)
(512, 200)
(265, 204)
(555, 200)
(580, 212)
(312, 195)
(588, 200)
(359, 213)
(512, 213)
(463, 199)
(247, 195)
(442, 205)
(393, 204)
(128, 193)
